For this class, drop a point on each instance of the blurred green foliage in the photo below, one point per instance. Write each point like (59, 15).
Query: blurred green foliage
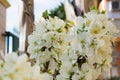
(59, 12)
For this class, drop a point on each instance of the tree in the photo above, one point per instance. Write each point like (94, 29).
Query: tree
(26, 26)
(59, 12)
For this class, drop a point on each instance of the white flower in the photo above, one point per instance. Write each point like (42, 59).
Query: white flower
(47, 43)
(76, 77)
(60, 77)
(81, 53)
(18, 68)
(89, 51)
(79, 21)
(59, 23)
(46, 76)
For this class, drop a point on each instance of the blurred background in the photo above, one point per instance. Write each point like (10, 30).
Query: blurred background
(16, 15)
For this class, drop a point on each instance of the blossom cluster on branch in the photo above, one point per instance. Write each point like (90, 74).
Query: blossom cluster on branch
(90, 49)
(64, 50)
(47, 43)
(80, 52)
(16, 67)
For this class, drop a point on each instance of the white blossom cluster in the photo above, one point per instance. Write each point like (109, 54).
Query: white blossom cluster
(16, 67)
(47, 43)
(90, 48)
(79, 53)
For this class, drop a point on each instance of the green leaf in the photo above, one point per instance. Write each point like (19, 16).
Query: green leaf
(59, 30)
(103, 63)
(45, 14)
(83, 27)
(93, 8)
(71, 74)
(103, 12)
(69, 24)
(82, 78)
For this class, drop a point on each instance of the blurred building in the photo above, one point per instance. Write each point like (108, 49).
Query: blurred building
(12, 40)
(3, 6)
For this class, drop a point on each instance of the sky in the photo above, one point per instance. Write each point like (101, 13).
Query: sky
(39, 7)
